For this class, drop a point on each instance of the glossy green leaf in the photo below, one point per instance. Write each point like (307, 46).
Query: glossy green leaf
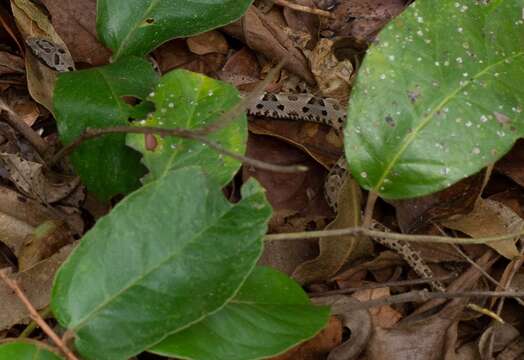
(26, 350)
(189, 100)
(269, 314)
(135, 27)
(93, 98)
(166, 256)
(438, 96)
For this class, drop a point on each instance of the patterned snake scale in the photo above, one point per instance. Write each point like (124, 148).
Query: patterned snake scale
(303, 107)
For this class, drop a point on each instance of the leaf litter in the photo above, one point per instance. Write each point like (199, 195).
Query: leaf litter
(242, 53)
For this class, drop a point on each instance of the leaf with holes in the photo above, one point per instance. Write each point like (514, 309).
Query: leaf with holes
(438, 97)
(135, 27)
(269, 314)
(166, 256)
(94, 98)
(189, 100)
(26, 350)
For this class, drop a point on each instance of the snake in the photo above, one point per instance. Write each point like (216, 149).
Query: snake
(329, 112)
(280, 106)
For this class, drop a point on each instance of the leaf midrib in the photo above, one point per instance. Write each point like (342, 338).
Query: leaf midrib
(426, 120)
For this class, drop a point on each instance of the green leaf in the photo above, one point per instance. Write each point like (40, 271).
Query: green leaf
(167, 255)
(135, 27)
(270, 314)
(438, 97)
(190, 100)
(26, 350)
(94, 99)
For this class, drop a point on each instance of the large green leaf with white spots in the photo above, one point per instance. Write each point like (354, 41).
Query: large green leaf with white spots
(166, 256)
(438, 96)
(269, 314)
(135, 27)
(189, 100)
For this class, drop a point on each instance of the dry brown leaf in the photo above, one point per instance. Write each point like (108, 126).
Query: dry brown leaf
(512, 164)
(358, 321)
(502, 334)
(264, 34)
(514, 351)
(297, 199)
(307, 24)
(362, 20)
(207, 43)
(32, 22)
(242, 70)
(384, 316)
(334, 252)
(32, 179)
(45, 240)
(23, 214)
(333, 76)
(490, 218)
(10, 64)
(75, 22)
(317, 347)
(36, 284)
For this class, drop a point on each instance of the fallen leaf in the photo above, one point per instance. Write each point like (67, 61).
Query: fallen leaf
(263, 33)
(35, 181)
(362, 20)
(512, 164)
(207, 43)
(75, 22)
(333, 76)
(36, 283)
(490, 218)
(334, 252)
(358, 321)
(46, 239)
(501, 335)
(318, 347)
(32, 22)
(384, 316)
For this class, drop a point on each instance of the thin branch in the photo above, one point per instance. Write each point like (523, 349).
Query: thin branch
(360, 231)
(36, 316)
(305, 9)
(94, 133)
(240, 108)
(18, 124)
(422, 296)
(383, 285)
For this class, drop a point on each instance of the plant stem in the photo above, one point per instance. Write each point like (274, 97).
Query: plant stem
(418, 296)
(360, 231)
(370, 206)
(94, 133)
(36, 316)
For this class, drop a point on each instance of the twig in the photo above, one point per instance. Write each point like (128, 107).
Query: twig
(305, 9)
(383, 285)
(360, 231)
(240, 108)
(19, 125)
(36, 317)
(422, 296)
(94, 133)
